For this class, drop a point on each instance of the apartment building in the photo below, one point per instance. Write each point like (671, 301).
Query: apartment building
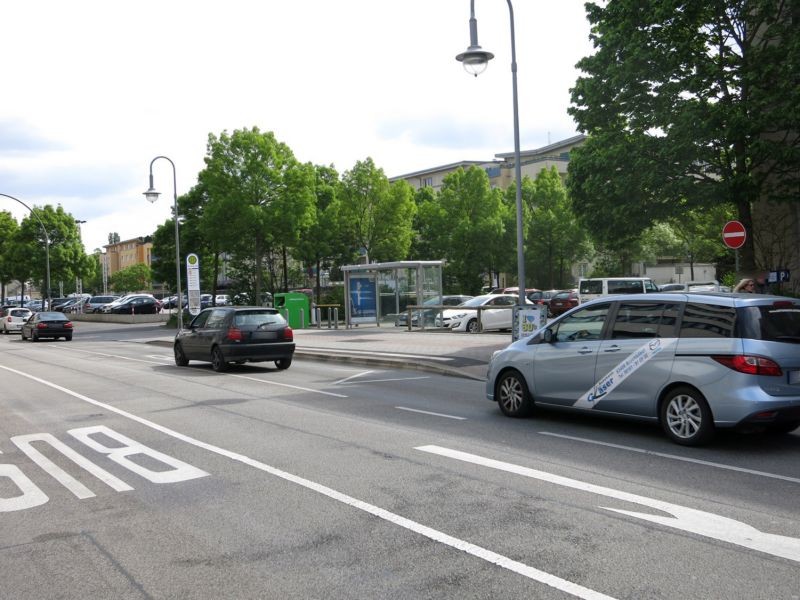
(127, 253)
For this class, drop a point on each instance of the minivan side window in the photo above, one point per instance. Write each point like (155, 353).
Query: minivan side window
(591, 286)
(583, 325)
(645, 320)
(626, 286)
(707, 321)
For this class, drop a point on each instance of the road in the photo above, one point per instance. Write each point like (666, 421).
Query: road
(122, 476)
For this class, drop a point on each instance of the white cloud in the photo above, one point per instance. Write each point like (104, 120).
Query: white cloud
(96, 89)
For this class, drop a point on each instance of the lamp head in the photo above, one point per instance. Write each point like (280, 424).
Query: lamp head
(151, 195)
(475, 60)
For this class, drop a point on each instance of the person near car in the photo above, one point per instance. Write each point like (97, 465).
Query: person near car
(746, 286)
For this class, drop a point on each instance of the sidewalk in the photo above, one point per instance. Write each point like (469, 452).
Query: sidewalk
(456, 354)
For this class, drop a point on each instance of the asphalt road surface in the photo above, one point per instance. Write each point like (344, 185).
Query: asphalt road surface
(123, 476)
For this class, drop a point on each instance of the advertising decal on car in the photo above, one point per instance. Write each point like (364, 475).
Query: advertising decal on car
(623, 370)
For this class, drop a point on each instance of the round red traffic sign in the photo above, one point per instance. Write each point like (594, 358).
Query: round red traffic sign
(734, 234)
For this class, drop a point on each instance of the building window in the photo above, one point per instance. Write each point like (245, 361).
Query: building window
(427, 182)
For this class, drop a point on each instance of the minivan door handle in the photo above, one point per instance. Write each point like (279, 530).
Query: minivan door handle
(612, 349)
(585, 350)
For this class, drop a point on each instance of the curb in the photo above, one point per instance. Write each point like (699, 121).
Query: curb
(374, 360)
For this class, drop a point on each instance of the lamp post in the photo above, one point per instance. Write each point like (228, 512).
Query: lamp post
(152, 195)
(475, 61)
(46, 248)
(78, 278)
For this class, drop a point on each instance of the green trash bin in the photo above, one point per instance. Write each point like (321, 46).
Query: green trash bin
(295, 307)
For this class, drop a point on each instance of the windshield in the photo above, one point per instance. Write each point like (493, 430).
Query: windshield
(476, 301)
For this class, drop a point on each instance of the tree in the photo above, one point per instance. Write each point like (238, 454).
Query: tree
(259, 195)
(472, 216)
(8, 231)
(555, 239)
(688, 105)
(134, 278)
(321, 241)
(378, 215)
(67, 256)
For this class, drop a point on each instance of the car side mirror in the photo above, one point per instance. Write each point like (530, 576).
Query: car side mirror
(547, 336)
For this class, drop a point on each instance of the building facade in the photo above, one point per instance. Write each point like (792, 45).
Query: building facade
(127, 253)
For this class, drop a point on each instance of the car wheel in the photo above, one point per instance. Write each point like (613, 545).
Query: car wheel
(686, 417)
(472, 326)
(512, 394)
(180, 356)
(218, 360)
(781, 428)
(283, 363)
(67, 338)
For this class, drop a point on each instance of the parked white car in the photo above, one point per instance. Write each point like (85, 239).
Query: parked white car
(13, 318)
(465, 316)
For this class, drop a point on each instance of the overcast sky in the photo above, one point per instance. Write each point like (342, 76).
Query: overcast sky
(92, 91)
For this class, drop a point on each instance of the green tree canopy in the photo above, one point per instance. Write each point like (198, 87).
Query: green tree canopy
(555, 239)
(259, 195)
(379, 216)
(132, 279)
(688, 105)
(471, 216)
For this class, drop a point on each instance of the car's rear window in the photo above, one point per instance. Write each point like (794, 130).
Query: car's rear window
(256, 318)
(20, 313)
(777, 322)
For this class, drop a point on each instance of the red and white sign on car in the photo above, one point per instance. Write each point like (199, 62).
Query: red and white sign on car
(734, 234)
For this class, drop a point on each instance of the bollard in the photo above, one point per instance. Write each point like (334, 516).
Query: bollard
(318, 317)
(336, 318)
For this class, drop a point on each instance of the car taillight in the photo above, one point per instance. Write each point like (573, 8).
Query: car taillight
(68, 325)
(9, 318)
(234, 335)
(752, 365)
(288, 334)
(41, 326)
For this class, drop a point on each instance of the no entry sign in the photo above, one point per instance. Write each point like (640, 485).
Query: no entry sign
(734, 234)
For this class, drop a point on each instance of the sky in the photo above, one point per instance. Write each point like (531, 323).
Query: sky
(92, 91)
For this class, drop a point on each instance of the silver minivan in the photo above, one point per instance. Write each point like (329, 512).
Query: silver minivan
(693, 362)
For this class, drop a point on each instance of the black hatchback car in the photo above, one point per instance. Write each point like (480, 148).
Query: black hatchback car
(236, 334)
(48, 324)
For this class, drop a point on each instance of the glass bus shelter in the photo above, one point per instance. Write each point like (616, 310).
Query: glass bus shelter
(376, 293)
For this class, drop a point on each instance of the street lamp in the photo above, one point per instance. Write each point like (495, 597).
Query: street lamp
(46, 248)
(475, 61)
(152, 195)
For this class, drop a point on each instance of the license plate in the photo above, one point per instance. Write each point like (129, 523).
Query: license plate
(264, 335)
(794, 376)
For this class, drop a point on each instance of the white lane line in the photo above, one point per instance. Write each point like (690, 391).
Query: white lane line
(435, 414)
(680, 517)
(675, 457)
(352, 377)
(373, 353)
(393, 379)
(264, 381)
(287, 385)
(428, 532)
